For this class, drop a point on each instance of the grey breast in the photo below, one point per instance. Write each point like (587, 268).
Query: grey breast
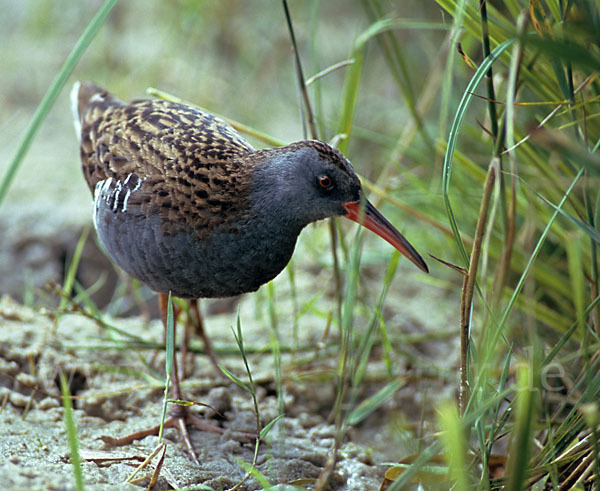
(227, 263)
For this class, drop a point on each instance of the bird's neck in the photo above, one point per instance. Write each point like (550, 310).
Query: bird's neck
(273, 192)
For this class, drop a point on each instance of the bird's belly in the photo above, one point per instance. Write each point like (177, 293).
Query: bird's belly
(224, 265)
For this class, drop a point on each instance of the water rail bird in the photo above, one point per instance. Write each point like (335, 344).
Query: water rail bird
(185, 205)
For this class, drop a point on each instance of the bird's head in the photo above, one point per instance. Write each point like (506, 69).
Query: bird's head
(310, 180)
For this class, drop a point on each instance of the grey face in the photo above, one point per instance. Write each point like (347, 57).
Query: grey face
(307, 182)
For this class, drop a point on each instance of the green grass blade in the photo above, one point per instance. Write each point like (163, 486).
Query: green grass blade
(369, 405)
(453, 138)
(406, 478)
(455, 445)
(169, 353)
(72, 269)
(71, 431)
(534, 255)
(50, 97)
(522, 437)
(591, 232)
(267, 428)
(255, 473)
(235, 379)
(239, 339)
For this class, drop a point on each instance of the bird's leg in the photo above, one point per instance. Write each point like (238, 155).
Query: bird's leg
(187, 366)
(199, 329)
(179, 417)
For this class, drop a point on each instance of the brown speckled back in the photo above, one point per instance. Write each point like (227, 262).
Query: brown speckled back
(188, 160)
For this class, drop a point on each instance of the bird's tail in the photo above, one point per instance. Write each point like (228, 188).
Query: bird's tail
(82, 94)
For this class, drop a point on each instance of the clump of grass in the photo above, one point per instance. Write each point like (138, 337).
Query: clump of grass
(250, 388)
(534, 234)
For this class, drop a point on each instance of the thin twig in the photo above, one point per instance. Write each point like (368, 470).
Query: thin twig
(469, 283)
(314, 134)
(505, 257)
(463, 390)
(485, 38)
(310, 119)
(145, 463)
(328, 70)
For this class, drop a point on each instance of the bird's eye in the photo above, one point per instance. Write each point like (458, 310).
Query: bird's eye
(325, 182)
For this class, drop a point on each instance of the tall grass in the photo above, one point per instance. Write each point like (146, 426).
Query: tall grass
(532, 274)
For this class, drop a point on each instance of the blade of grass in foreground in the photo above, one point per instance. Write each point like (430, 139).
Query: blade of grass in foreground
(425, 455)
(456, 447)
(453, 137)
(170, 352)
(71, 433)
(522, 436)
(48, 101)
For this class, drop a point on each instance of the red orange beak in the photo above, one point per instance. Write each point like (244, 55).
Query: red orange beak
(376, 222)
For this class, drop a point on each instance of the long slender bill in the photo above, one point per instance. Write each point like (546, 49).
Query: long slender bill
(376, 222)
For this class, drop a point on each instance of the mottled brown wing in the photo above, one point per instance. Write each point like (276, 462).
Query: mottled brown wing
(187, 162)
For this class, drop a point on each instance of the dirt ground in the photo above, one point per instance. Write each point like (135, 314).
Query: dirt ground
(118, 392)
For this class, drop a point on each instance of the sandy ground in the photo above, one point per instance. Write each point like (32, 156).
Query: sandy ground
(117, 393)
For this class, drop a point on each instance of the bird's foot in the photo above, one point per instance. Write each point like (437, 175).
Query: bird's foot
(181, 419)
